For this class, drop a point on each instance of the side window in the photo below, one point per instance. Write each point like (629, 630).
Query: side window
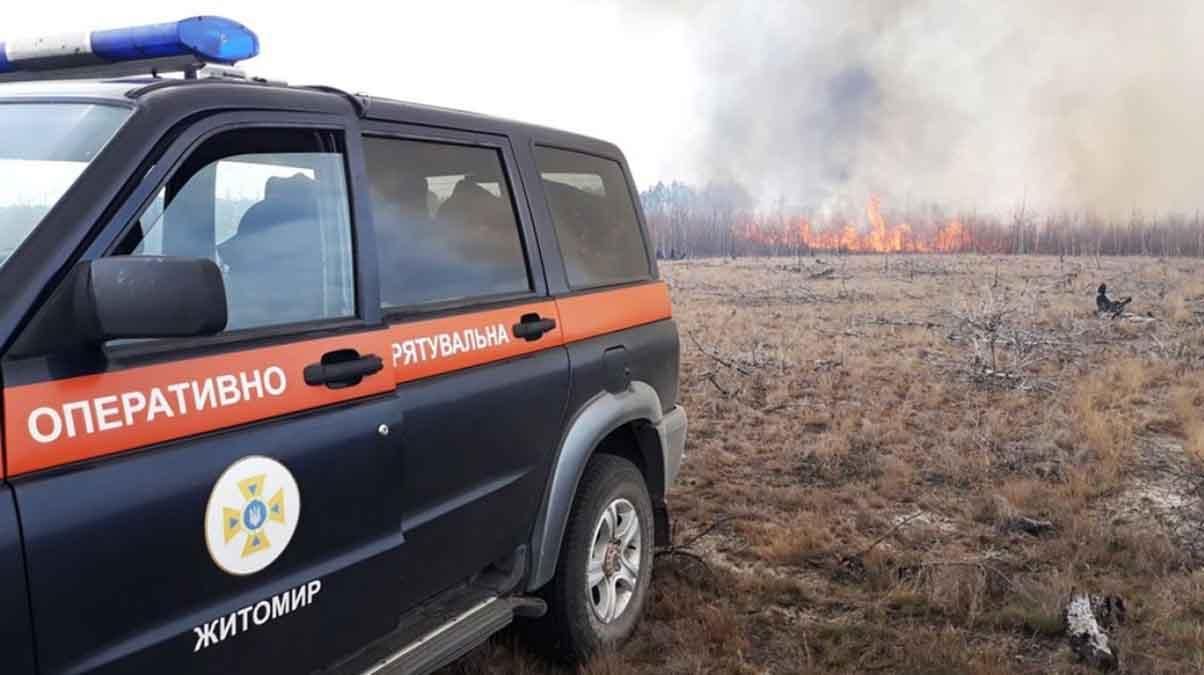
(271, 208)
(595, 219)
(445, 223)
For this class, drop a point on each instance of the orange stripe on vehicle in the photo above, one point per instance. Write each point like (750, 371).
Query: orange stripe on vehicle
(593, 314)
(62, 421)
(53, 423)
(437, 346)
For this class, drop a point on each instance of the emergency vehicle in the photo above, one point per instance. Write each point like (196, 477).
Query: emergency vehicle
(297, 380)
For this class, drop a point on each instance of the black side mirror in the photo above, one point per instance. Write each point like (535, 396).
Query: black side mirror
(147, 297)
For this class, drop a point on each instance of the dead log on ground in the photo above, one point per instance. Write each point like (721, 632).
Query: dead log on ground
(1088, 619)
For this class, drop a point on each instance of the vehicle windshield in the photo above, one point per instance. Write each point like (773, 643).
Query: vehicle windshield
(43, 149)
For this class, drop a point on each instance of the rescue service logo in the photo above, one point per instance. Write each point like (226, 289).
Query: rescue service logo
(252, 514)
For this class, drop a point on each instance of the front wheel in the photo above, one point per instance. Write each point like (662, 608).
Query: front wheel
(602, 577)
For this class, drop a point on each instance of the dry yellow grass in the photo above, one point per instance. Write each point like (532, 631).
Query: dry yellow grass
(874, 446)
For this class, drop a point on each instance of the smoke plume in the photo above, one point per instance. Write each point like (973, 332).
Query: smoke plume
(1076, 105)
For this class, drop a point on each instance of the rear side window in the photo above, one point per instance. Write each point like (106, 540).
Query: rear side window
(446, 229)
(595, 218)
(270, 207)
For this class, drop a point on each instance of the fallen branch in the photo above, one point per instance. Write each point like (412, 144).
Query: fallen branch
(883, 321)
(1027, 525)
(854, 565)
(682, 550)
(782, 406)
(718, 359)
(712, 380)
(888, 534)
(708, 530)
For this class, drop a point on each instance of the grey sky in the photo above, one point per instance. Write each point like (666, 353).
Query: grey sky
(1075, 104)
(587, 67)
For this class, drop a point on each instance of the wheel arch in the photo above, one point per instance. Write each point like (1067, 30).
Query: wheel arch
(621, 424)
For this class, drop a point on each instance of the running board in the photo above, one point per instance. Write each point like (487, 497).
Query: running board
(447, 642)
(401, 654)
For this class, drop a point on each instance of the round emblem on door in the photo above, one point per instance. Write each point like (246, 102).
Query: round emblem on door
(252, 515)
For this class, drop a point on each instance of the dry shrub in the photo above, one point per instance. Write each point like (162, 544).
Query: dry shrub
(610, 663)
(859, 646)
(776, 589)
(691, 623)
(1187, 400)
(1143, 553)
(806, 539)
(1132, 376)
(1033, 606)
(1037, 499)
(1031, 618)
(897, 478)
(995, 510)
(959, 461)
(959, 590)
(1194, 445)
(504, 654)
(1179, 304)
(1177, 309)
(718, 629)
(1165, 633)
(1187, 409)
(757, 532)
(839, 459)
(1103, 414)
(848, 646)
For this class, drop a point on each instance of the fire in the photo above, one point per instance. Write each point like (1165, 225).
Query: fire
(878, 236)
(953, 237)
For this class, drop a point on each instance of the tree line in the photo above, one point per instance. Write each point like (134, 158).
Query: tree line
(722, 219)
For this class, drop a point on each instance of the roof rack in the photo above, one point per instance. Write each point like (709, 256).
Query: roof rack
(193, 46)
(189, 67)
(361, 102)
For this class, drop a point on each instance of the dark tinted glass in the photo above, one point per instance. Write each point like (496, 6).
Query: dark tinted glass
(445, 223)
(271, 209)
(595, 219)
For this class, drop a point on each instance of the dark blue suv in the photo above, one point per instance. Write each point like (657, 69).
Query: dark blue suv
(296, 380)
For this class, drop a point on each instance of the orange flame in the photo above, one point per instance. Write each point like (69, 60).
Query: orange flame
(879, 237)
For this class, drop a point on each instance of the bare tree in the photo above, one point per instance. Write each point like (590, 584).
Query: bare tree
(722, 219)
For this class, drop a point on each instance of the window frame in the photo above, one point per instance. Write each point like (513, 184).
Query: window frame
(334, 279)
(167, 158)
(520, 203)
(633, 195)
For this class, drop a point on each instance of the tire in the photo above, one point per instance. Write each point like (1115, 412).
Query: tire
(575, 626)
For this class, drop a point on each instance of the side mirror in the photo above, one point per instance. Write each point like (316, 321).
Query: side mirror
(147, 297)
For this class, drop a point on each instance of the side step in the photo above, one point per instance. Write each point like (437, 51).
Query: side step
(449, 641)
(423, 646)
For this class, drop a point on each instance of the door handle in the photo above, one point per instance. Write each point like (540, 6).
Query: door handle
(342, 368)
(531, 327)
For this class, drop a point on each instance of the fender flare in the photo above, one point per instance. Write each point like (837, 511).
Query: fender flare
(593, 422)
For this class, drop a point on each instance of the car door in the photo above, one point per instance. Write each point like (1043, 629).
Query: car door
(476, 347)
(16, 637)
(230, 503)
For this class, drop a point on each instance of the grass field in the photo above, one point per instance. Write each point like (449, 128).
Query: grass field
(866, 433)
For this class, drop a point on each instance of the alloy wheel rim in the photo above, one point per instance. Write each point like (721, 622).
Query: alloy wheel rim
(613, 569)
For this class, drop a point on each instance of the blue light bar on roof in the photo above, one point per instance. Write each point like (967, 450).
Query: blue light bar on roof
(208, 39)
